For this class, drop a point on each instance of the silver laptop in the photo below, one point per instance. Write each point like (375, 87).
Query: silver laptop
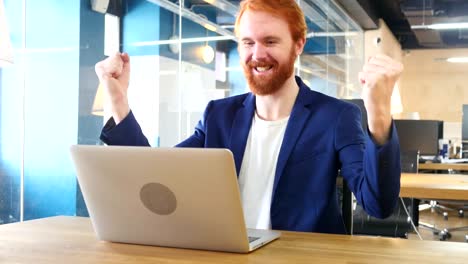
(173, 197)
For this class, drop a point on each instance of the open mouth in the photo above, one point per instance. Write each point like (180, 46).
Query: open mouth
(263, 69)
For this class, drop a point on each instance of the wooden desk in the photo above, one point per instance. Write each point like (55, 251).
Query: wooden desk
(443, 166)
(71, 240)
(434, 186)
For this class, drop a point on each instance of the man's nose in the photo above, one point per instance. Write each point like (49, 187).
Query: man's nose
(259, 52)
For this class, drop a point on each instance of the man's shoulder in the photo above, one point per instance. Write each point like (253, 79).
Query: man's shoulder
(315, 98)
(231, 101)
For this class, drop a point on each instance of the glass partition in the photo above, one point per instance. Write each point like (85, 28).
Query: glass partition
(183, 54)
(207, 66)
(334, 50)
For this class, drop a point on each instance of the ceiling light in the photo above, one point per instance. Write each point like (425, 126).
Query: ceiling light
(448, 26)
(458, 60)
(208, 54)
(442, 26)
(210, 27)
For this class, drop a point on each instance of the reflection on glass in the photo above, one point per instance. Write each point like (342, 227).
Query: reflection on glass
(333, 52)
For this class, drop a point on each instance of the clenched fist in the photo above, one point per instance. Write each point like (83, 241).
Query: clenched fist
(379, 76)
(114, 74)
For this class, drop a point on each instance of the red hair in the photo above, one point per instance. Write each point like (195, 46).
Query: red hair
(285, 9)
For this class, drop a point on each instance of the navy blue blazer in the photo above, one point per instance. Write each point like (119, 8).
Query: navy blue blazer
(323, 135)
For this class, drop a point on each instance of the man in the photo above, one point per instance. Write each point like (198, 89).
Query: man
(288, 141)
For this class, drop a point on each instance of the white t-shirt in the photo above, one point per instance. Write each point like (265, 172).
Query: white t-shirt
(258, 168)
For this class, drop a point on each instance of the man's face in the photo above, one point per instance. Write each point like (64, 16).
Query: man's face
(267, 51)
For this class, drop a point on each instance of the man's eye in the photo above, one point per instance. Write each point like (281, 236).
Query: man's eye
(248, 43)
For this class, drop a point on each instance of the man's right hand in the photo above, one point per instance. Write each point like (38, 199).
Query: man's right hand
(114, 74)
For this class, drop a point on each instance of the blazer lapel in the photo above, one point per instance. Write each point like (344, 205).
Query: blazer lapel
(297, 120)
(240, 130)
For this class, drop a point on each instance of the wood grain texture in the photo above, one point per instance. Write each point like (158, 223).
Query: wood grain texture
(443, 166)
(71, 240)
(434, 186)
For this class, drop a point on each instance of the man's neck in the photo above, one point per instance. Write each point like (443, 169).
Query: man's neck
(278, 105)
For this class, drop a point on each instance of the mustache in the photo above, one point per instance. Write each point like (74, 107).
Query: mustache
(260, 63)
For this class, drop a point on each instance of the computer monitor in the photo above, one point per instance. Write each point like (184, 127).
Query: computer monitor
(422, 135)
(465, 123)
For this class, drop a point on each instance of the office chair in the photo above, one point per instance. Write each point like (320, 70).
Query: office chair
(345, 199)
(446, 233)
(355, 220)
(399, 223)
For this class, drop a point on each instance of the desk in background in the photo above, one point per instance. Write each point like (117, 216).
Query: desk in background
(437, 187)
(71, 240)
(434, 186)
(443, 166)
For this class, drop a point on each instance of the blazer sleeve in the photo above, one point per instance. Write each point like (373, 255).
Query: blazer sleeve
(372, 171)
(126, 133)
(129, 133)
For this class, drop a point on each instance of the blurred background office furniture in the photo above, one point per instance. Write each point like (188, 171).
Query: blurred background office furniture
(409, 164)
(439, 187)
(462, 167)
(399, 223)
(345, 200)
(443, 207)
(422, 135)
(464, 148)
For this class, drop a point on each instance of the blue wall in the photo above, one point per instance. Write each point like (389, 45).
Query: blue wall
(11, 86)
(51, 107)
(145, 21)
(140, 23)
(64, 39)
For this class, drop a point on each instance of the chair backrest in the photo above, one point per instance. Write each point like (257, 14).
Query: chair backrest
(396, 225)
(345, 199)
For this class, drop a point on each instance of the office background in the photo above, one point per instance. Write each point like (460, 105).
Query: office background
(47, 97)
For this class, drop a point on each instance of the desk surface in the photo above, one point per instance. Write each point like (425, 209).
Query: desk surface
(443, 166)
(434, 186)
(71, 240)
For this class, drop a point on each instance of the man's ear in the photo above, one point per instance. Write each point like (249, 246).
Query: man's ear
(300, 46)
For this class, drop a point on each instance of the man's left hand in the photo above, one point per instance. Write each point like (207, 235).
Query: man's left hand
(379, 76)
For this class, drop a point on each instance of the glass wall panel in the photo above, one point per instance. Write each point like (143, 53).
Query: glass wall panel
(183, 54)
(334, 50)
(11, 116)
(46, 105)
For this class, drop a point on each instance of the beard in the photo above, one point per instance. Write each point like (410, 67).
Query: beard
(267, 85)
